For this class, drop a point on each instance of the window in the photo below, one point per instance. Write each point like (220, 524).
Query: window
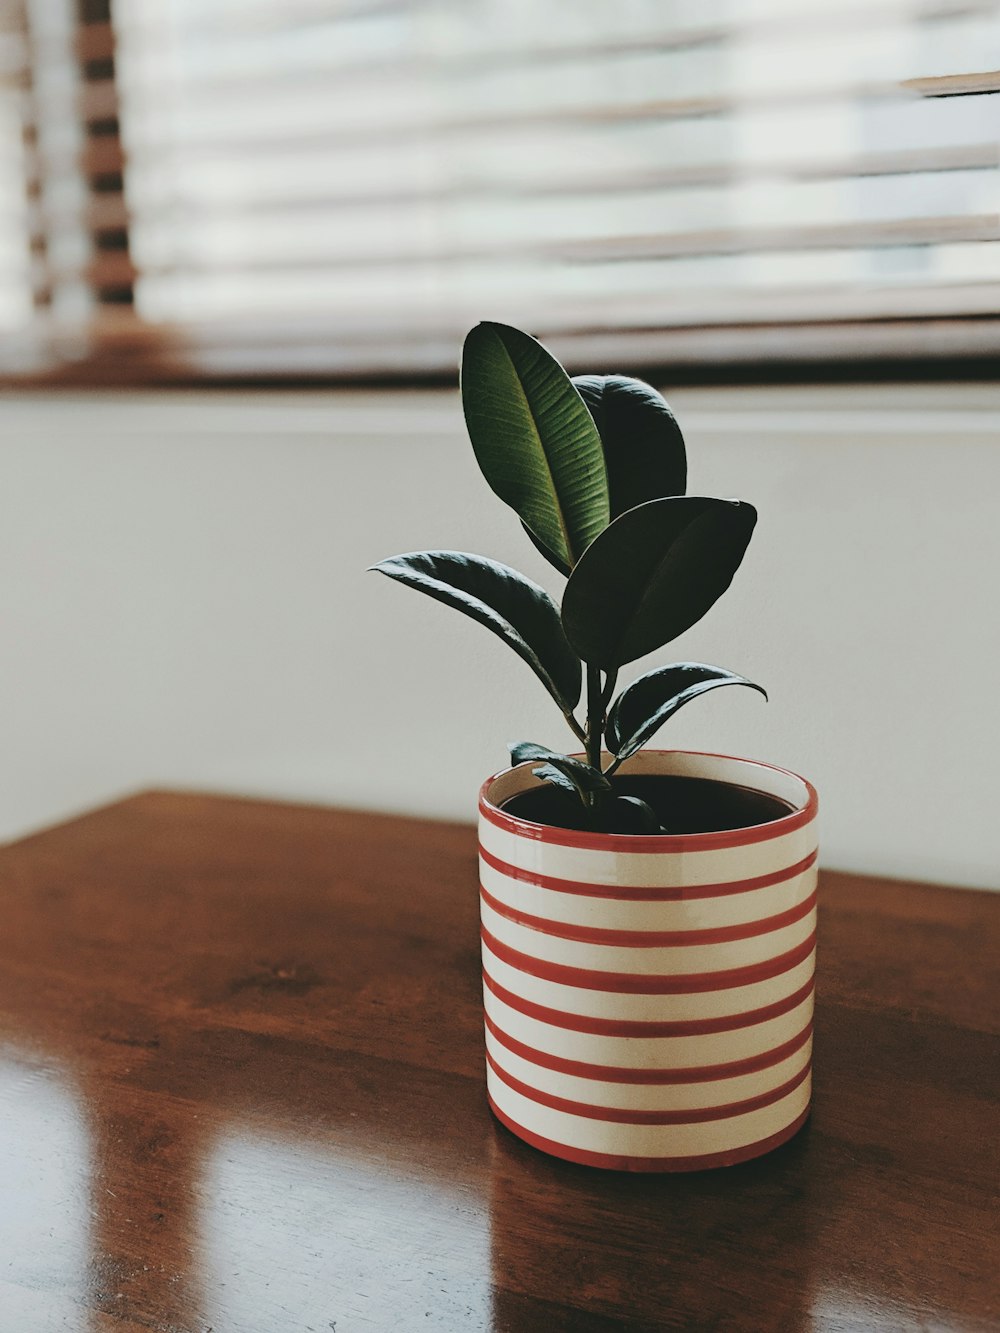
(341, 187)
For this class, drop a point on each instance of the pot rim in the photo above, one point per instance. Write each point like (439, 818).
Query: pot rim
(654, 842)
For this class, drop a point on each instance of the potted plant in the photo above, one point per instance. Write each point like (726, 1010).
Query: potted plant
(648, 917)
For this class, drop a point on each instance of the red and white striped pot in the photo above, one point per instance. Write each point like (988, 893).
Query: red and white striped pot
(649, 999)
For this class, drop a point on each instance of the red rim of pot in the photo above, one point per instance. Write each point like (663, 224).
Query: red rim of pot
(661, 842)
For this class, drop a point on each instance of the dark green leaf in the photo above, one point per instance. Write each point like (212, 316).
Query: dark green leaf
(534, 439)
(511, 606)
(643, 445)
(641, 710)
(653, 574)
(549, 773)
(632, 815)
(585, 779)
(542, 549)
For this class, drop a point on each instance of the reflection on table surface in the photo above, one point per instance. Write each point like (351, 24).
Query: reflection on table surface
(241, 1090)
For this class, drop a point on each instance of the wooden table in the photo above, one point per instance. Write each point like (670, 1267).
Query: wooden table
(242, 1090)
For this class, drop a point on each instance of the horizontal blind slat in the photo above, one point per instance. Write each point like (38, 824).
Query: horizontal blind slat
(957, 85)
(839, 236)
(345, 195)
(378, 175)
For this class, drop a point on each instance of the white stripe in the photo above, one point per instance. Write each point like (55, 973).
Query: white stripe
(648, 1008)
(605, 1136)
(616, 914)
(650, 869)
(685, 960)
(648, 1052)
(648, 1097)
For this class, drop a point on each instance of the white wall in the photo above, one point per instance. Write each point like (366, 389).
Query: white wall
(184, 602)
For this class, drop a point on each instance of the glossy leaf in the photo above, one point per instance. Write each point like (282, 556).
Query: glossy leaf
(633, 815)
(653, 574)
(511, 606)
(639, 711)
(643, 445)
(549, 773)
(543, 550)
(534, 440)
(585, 779)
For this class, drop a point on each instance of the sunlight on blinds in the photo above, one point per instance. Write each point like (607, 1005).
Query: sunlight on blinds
(15, 253)
(343, 186)
(386, 173)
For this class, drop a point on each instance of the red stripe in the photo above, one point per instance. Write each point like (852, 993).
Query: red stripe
(615, 1162)
(637, 842)
(622, 1074)
(617, 1115)
(634, 983)
(651, 939)
(647, 893)
(619, 1027)
(624, 842)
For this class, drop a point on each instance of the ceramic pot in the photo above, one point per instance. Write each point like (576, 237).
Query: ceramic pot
(649, 999)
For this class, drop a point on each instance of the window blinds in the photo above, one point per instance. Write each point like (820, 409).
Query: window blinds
(344, 186)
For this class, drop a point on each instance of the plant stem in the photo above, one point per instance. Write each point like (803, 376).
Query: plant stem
(595, 716)
(610, 681)
(609, 690)
(575, 727)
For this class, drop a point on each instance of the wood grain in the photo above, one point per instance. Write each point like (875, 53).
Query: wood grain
(242, 1091)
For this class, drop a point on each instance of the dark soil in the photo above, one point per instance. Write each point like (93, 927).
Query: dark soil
(681, 804)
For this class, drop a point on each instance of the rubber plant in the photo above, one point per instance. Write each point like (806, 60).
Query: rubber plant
(595, 468)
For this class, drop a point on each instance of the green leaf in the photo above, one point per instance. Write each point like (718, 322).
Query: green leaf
(549, 773)
(643, 445)
(632, 815)
(653, 574)
(511, 606)
(585, 779)
(642, 709)
(534, 440)
(542, 549)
